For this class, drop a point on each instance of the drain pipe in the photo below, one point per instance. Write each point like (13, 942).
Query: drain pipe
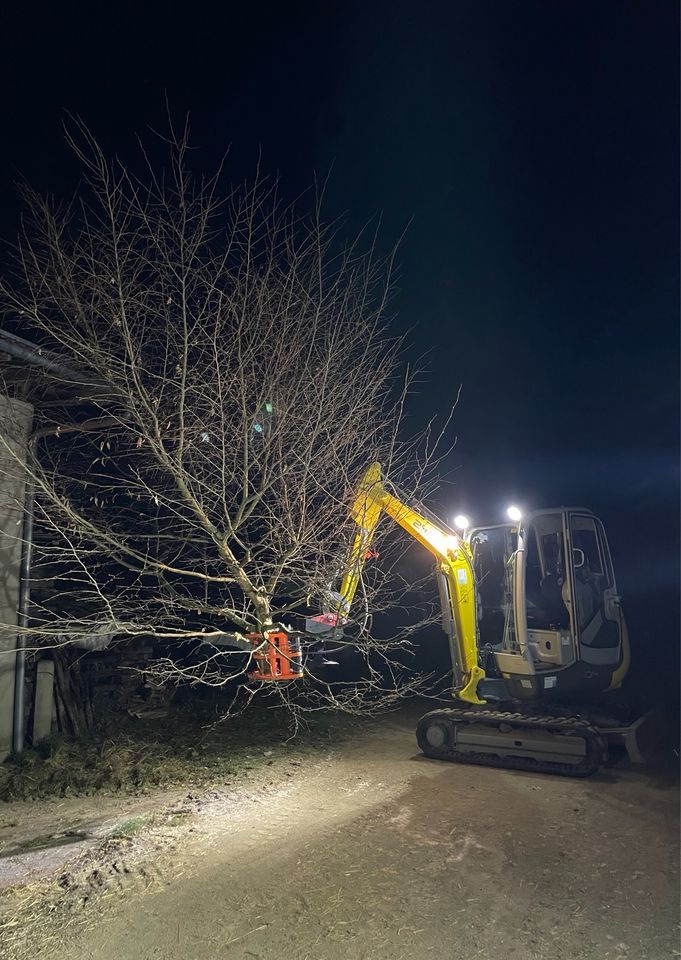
(22, 619)
(26, 560)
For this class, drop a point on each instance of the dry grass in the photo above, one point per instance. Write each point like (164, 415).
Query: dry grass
(139, 756)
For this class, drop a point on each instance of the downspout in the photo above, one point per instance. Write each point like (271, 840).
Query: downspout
(24, 601)
(25, 570)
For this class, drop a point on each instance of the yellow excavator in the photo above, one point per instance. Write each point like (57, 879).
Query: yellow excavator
(534, 623)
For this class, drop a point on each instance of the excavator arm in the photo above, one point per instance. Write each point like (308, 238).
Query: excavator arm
(454, 568)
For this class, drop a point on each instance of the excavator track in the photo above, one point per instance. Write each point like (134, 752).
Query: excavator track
(568, 746)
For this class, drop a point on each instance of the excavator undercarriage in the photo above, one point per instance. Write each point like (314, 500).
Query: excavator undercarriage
(567, 746)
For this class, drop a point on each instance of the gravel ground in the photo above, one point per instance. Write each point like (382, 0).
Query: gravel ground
(371, 852)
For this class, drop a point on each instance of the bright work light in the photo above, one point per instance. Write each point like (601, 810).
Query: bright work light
(461, 523)
(514, 514)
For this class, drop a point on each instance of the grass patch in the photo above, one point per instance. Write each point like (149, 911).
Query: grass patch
(130, 827)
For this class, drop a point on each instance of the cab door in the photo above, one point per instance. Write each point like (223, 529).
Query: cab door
(594, 603)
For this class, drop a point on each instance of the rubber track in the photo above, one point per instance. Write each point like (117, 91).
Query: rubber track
(596, 746)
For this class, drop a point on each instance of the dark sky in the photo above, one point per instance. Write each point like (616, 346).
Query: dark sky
(531, 146)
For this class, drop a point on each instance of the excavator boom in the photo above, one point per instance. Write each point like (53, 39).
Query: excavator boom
(455, 567)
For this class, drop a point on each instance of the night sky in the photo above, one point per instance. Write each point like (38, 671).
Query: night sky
(532, 150)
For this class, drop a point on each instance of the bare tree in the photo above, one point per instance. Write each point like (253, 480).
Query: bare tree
(244, 379)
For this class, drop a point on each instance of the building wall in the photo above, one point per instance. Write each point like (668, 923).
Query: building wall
(15, 427)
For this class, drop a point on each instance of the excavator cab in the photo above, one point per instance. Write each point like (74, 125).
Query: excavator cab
(549, 618)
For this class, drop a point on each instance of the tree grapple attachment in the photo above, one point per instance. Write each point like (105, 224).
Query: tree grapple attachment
(276, 658)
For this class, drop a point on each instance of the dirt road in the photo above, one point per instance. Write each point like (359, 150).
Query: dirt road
(375, 853)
